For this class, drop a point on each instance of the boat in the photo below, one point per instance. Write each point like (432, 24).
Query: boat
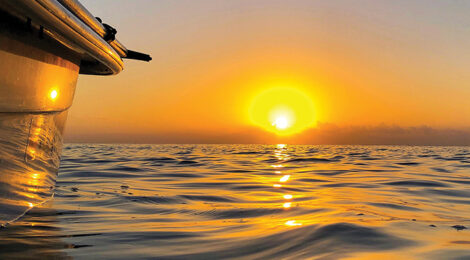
(44, 46)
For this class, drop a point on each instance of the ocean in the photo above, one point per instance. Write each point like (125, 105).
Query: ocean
(251, 202)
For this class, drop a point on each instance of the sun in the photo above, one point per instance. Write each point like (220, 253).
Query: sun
(282, 110)
(281, 123)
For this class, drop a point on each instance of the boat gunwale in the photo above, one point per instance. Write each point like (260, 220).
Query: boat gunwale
(59, 23)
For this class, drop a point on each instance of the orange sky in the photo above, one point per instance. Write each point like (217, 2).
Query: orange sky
(365, 65)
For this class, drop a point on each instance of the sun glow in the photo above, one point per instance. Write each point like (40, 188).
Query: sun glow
(282, 110)
(281, 123)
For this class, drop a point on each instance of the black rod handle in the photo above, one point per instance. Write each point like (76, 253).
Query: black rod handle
(134, 55)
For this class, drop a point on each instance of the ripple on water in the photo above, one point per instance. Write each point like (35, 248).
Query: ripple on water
(412, 183)
(329, 242)
(251, 202)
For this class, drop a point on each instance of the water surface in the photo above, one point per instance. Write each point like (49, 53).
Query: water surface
(252, 202)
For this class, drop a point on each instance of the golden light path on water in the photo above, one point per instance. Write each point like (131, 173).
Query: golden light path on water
(281, 154)
(260, 201)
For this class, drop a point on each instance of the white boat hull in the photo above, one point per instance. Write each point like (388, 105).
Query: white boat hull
(37, 85)
(30, 146)
(44, 46)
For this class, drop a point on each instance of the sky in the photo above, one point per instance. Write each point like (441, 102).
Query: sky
(374, 72)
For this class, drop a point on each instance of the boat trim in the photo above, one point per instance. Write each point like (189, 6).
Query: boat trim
(61, 24)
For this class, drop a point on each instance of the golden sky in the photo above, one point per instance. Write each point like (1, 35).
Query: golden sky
(380, 66)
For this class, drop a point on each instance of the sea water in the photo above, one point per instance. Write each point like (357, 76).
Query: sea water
(251, 202)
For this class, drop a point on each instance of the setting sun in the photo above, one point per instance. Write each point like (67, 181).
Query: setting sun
(282, 110)
(281, 123)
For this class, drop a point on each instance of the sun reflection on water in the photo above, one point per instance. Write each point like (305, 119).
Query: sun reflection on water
(292, 223)
(280, 153)
(325, 204)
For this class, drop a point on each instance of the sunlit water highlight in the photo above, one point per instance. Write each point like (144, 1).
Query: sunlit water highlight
(253, 202)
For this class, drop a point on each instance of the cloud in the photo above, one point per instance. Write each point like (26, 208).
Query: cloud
(383, 134)
(324, 133)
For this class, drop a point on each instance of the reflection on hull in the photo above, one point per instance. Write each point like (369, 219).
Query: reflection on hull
(30, 147)
(44, 45)
(37, 85)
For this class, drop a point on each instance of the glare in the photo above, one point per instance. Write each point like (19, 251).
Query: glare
(287, 205)
(53, 94)
(31, 196)
(277, 185)
(292, 223)
(284, 178)
(283, 110)
(281, 123)
(288, 196)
